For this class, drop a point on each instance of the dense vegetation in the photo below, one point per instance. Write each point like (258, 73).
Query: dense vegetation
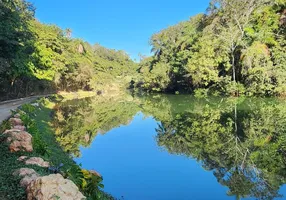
(237, 47)
(40, 58)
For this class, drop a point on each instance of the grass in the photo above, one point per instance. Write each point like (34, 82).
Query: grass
(9, 184)
(76, 95)
(38, 124)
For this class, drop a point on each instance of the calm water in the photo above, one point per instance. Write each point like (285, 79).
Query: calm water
(179, 147)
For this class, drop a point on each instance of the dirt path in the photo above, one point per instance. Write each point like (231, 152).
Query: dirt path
(6, 107)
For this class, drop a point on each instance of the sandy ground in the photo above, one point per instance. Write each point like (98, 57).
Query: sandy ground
(6, 107)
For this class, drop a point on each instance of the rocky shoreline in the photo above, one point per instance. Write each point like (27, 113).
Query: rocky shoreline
(53, 186)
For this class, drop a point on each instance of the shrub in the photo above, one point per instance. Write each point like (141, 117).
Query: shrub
(4, 126)
(39, 145)
(201, 93)
(89, 183)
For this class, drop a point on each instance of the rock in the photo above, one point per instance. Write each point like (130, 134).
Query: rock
(81, 49)
(21, 128)
(11, 130)
(15, 122)
(34, 161)
(17, 115)
(51, 187)
(28, 179)
(18, 140)
(95, 173)
(35, 104)
(24, 172)
(37, 161)
(87, 138)
(22, 158)
(28, 175)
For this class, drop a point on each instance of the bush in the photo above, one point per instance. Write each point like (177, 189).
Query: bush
(4, 126)
(39, 145)
(27, 108)
(89, 183)
(201, 93)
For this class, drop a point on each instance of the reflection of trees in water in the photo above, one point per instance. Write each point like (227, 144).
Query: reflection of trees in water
(242, 141)
(243, 144)
(77, 122)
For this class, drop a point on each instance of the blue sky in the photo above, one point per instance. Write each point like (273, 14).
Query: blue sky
(117, 24)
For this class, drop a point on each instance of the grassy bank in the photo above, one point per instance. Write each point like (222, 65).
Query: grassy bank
(9, 184)
(76, 95)
(38, 119)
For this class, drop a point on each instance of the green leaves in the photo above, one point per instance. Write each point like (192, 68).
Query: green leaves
(37, 58)
(237, 42)
(88, 182)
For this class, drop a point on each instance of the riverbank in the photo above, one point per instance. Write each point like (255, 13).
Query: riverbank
(7, 106)
(37, 119)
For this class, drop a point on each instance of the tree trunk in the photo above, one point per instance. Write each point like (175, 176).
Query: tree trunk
(233, 67)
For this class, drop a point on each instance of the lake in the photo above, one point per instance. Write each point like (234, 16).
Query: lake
(177, 146)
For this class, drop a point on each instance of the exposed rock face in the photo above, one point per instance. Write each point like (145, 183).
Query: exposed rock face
(86, 137)
(35, 161)
(95, 173)
(28, 175)
(51, 187)
(80, 49)
(16, 122)
(18, 140)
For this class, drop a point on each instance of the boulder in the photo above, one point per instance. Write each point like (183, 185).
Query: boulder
(28, 175)
(16, 122)
(17, 116)
(21, 128)
(11, 130)
(22, 158)
(81, 49)
(27, 180)
(51, 187)
(18, 140)
(24, 172)
(37, 161)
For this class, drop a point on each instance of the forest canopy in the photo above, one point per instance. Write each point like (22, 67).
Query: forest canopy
(42, 58)
(236, 47)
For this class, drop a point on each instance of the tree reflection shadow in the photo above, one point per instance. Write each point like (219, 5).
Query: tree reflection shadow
(242, 143)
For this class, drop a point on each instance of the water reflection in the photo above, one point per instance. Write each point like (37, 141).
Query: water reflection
(242, 141)
(77, 122)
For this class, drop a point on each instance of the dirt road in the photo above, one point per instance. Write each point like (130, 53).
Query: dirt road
(6, 107)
